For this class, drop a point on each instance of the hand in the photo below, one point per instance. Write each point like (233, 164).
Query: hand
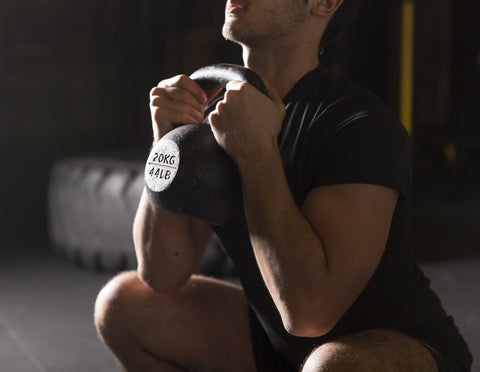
(246, 121)
(176, 101)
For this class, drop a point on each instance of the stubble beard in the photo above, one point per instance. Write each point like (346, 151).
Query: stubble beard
(275, 24)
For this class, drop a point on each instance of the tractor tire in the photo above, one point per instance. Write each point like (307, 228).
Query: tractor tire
(92, 202)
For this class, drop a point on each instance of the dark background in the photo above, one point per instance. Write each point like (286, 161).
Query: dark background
(75, 78)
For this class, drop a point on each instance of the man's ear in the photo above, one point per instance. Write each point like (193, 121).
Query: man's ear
(325, 8)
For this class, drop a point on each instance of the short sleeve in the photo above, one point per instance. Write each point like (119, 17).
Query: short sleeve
(372, 149)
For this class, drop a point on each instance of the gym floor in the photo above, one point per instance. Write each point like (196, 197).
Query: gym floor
(46, 307)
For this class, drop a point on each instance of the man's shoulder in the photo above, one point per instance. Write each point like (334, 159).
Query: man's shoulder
(325, 104)
(346, 101)
(329, 93)
(343, 93)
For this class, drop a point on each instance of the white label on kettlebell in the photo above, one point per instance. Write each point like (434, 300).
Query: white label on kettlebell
(162, 165)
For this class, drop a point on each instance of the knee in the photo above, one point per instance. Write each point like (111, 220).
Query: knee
(112, 305)
(334, 357)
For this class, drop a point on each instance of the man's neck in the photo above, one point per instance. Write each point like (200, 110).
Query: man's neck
(282, 70)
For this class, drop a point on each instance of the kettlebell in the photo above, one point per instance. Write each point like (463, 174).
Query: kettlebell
(187, 172)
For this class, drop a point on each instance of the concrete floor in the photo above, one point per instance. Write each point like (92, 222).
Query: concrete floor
(458, 284)
(46, 309)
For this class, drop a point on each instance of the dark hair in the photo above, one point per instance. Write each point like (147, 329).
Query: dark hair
(339, 23)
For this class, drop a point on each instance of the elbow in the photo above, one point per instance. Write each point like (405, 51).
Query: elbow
(308, 322)
(307, 327)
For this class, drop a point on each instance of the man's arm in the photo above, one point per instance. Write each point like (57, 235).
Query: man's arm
(315, 261)
(169, 246)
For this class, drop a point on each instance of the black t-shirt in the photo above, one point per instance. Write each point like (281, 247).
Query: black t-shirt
(336, 132)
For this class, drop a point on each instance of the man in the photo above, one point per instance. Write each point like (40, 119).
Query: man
(328, 281)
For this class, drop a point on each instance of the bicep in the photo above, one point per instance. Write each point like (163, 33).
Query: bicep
(353, 222)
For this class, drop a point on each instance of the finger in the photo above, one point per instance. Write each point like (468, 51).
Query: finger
(172, 97)
(175, 112)
(213, 119)
(236, 85)
(162, 103)
(163, 125)
(184, 82)
(177, 95)
(215, 114)
(172, 118)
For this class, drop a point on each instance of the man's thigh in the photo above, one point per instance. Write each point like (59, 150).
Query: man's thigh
(203, 327)
(375, 350)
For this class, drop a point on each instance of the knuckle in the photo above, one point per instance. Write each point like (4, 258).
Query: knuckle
(227, 97)
(182, 78)
(165, 83)
(154, 101)
(154, 91)
(242, 86)
(220, 107)
(173, 81)
(213, 118)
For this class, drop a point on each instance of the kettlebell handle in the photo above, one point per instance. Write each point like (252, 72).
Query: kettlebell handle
(219, 75)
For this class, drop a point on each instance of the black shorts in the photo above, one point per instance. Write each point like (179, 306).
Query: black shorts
(268, 360)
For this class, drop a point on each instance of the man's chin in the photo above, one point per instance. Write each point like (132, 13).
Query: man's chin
(228, 32)
(238, 35)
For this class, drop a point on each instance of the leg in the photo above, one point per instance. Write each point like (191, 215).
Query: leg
(204, 327)
(369, 351)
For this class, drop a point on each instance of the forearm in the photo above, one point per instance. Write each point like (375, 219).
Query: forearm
(168, 246)
(289, 253)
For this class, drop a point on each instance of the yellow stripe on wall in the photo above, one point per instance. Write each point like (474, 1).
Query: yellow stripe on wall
(406, 64)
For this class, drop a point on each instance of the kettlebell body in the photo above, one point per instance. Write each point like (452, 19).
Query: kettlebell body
(187, 172)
